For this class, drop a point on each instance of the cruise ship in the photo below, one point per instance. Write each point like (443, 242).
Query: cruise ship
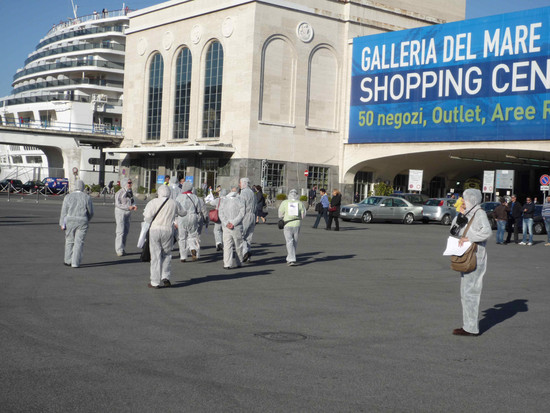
(72, 81)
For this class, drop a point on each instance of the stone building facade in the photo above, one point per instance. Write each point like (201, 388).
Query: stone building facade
(215, 91)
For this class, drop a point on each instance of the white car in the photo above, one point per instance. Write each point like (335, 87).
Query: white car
(382, 208)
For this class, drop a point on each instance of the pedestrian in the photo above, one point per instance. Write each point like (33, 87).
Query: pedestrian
(164, 211)
(322, 208)
(501, 216)
(334, 210)
(471, 283)
(203, 221)
(77, 210)
(311, 196)
(124, 205)
(528, 214)
(111, 187)
(231, 213)
(218, 231)
(291, 211)
(260, 204)
(166, 180)
(514, 220)
(356, 197)
(188, 225)
(546, 218)
(249, 221)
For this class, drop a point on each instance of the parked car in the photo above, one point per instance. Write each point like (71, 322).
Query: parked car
(382, 208)
(56, 184)
(439, 209)
(11, 185)
(538, 221)
(33, 186)
(415, 199)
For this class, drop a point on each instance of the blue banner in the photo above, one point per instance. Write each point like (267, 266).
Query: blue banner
(483, 79)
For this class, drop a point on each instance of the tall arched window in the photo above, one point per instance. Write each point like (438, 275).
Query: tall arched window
(183, 94)
(154, 109)
(213, 91)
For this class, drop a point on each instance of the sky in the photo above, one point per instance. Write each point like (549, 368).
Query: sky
(24, 22)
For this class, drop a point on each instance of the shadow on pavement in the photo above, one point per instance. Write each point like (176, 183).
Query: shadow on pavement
(232, 274)
(500, 313)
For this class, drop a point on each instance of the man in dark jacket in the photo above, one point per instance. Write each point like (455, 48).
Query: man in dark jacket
(501, 216)
(528, 213)
(514, 219)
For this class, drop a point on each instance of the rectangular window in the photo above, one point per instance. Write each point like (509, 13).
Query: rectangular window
(319, 177)
(34, 159)
(17, 159)
(275, 174)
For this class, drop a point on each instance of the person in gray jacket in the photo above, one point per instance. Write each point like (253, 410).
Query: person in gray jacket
(249, 221)
(77, 210)
(231, 215)
(218, 230)
(161, 236)
(124, 205)
(471, 283)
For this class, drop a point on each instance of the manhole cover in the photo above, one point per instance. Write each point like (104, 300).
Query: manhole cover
(281, 336)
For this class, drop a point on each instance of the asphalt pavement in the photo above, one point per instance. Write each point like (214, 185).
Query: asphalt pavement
(362, 324)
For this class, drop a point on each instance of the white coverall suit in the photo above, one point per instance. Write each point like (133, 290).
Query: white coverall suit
(218, 231)
(232, 211)
(471, 283)
(160, 234)
(124, 201)
(76, 211)
(188, 225)
(292, 211)
(249, 221)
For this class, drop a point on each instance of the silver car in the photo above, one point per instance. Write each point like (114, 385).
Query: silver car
(382, 208)
(440, 210)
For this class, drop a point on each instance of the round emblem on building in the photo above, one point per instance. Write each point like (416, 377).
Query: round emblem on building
(304, 31)
(167, 40)
(196, 33)
(227, 27)
(141, 46)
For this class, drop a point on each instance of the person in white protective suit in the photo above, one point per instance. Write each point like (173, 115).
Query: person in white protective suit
(218, 231)
(249, 221)
(292, 211)
(77, 210)
(161, 236)
(203, 219)
(231, 215)
(124, 205)
(188, 225)
(471, 283)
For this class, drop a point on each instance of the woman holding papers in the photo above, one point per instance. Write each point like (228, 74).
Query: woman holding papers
(292, 211)
(471, 283)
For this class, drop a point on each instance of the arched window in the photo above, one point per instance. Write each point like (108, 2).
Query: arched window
(322, 105)
(213, 91)
(183, 94)
(154, 109)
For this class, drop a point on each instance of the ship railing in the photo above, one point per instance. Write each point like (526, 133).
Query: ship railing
(67, 65)
(103, 129)
(68, 82)
(90, 17)
(67, 49)
(80, 31)
(58, 97)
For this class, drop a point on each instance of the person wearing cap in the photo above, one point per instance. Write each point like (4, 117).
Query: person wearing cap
(188, 225)
(162, 211)
(249, 221)
(292, 211)
(124, 205)
(77, 210)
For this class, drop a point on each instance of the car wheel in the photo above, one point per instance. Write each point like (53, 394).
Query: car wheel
(538, 228)
(366, 218)
(409, 219)
(446, 220)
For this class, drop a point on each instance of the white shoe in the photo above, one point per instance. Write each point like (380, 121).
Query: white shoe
(529, 243)
(522, 243)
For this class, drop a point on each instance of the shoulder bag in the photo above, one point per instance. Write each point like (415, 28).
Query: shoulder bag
(213, 214)
(466, 262)
(146, 251)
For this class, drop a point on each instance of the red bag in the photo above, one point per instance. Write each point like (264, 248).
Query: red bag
(213, 214)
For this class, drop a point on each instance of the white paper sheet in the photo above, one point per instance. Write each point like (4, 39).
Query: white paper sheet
(293, 209)
(454, 249)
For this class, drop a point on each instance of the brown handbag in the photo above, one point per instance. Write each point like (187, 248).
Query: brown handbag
(466, 262)
(213, 214)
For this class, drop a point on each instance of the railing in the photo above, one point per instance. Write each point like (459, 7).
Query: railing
(69, 82)
(68, 49)
(49, 98)
(65, 127)
(79, 32)
(68, 64)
